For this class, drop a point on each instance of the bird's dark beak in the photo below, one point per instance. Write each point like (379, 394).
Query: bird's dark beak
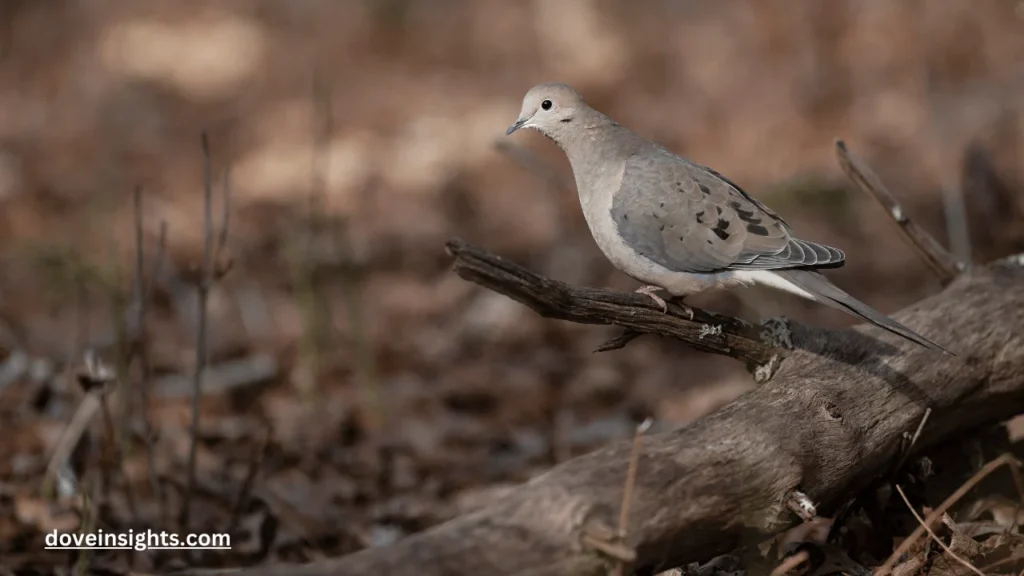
(518, 124)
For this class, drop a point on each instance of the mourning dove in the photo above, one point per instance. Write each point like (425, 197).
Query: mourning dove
(678, 226)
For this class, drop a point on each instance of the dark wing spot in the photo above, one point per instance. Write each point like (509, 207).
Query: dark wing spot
(661, 228)
(700, 217)
(625, 216)
(662, 205)
(755, 229)
(745, 215)
(704, 189)
(567, 120)
(723, 224)
(721, 233)
(680, 238)
(719, 208)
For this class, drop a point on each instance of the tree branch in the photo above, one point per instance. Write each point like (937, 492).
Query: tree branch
(945, 266)
(636, 313)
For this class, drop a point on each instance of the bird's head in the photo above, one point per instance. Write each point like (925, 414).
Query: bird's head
(551, 109)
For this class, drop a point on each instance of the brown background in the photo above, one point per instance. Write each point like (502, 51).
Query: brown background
(400, 390)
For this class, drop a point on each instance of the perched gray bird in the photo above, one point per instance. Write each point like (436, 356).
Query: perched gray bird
(676, 225)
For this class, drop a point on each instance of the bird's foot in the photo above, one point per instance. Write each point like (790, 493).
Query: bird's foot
(649, 291)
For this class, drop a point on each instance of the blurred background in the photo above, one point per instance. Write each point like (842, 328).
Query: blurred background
(358, 390)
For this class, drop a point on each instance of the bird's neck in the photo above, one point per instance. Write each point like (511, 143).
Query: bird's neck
(598, 145)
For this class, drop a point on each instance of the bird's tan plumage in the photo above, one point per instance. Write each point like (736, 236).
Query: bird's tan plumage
(675, 224)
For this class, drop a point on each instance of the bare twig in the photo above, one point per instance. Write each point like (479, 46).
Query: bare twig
(158, 260)
(936, 514)
(203, 287)
(931, 533)
(70, 437)
(142, 349)
(945, 266)
(307, 259)
(553, 299)
(601, 538)
(250, 478)
(87, 509)
(627, 492)
(913, 440)
(222, 238)
(86, 411)
(116, 460)
(957, 227)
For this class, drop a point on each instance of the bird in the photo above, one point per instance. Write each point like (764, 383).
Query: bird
(678, 226)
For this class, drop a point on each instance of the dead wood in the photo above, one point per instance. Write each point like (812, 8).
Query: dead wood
(944, 264)
(830, 420)
(635, 313)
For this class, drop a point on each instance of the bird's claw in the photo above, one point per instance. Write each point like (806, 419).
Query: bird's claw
(649, 291)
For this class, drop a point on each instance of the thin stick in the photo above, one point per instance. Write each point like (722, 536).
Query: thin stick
(79, 334)
(956, 223)
(931, 533)
(222, 238)
(913, 440)
(86, 411)
(142, 347)
(945, 266)
(937, 513)
(203, 287)
(627, 492)
(250, 479)
(158, 260)
(118, 457)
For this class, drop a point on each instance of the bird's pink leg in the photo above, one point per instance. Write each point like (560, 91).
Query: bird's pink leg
(650, 290)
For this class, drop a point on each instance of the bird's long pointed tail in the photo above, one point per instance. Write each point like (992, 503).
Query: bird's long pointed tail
(829, 294)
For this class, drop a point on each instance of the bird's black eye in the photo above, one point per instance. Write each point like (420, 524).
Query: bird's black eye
(546, 104)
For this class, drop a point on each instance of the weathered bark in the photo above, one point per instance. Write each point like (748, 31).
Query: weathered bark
(830, 420)
(637, 314)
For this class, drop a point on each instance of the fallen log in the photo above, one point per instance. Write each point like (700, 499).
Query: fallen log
(832, 418)
(832, 414)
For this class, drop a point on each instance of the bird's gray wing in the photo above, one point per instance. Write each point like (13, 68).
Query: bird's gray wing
(689, 218)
